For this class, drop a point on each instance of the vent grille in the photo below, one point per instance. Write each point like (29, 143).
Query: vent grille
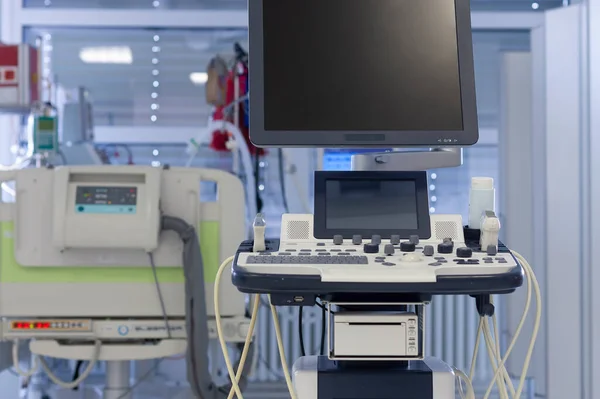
(298, 230)
(446, 229)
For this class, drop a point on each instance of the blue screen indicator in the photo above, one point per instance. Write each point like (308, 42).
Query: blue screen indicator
(106, 209)
(106, 200)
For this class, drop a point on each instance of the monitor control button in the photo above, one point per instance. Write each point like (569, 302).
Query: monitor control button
(395, 239)
(357, 239)
(407, 246)
(414, 239)
(464, 252)
(338, 239)
(371, 248)
(376, 239)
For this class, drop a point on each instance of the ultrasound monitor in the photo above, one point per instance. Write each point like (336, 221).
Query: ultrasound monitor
(361, 73)
(371, 203)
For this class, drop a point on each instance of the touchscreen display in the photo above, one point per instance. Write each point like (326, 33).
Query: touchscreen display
(371, 204)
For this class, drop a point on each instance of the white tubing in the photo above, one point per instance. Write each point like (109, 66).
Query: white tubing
(246, 159)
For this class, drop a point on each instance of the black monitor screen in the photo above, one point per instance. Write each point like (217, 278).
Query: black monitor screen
(361, 65)
(371, 204)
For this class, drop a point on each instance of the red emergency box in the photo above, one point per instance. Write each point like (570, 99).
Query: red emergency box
(20, 83)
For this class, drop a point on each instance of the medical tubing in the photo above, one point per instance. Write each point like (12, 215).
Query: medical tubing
(72, 384)
(196, 315)
(15, 359)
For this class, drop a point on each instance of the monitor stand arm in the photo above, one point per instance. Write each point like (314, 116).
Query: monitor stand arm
(434, 158)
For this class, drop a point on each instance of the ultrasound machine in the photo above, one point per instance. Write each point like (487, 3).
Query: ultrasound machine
(374, 74)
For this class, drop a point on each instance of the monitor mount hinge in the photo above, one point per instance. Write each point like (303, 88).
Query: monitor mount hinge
(410, 160)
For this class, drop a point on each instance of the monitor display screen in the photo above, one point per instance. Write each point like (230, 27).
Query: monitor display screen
(362, 65)
(371, 204)
(361, 73)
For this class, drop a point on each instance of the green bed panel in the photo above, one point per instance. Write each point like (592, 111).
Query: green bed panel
(12, 272)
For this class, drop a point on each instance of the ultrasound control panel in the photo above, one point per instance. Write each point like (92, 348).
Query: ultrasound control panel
(103, 199)
(372, 232)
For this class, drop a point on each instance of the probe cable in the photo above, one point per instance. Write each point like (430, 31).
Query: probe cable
(234, 377)
(501, 377)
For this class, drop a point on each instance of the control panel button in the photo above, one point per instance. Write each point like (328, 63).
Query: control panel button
(464, 252)
(371, 248)
(445, 247)
(448, 240)
(492, 250)
(414, 239)
(356, 239)
(395, 239)
(407, 246)
(338, 239)
(389, 249)
(376, 239)
(428, 250)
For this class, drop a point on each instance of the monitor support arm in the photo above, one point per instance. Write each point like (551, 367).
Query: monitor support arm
(434, 158)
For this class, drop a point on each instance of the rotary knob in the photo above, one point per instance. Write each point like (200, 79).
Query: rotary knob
(407, 246)
(445, 248)
(395, 239)
(371, 248)
(414, 239)
(376, 239)
(356, 239)
(338, 239)
(464, 252)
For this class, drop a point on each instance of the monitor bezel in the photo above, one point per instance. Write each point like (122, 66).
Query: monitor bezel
(283, 138)
(320, 229)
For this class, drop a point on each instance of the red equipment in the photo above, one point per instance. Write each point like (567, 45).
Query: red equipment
(20, 83)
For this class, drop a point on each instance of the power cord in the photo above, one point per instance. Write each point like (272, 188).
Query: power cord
(160, 296)
(323, 328)
(301, 332)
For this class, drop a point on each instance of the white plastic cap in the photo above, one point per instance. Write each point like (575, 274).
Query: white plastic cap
(482, 183)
